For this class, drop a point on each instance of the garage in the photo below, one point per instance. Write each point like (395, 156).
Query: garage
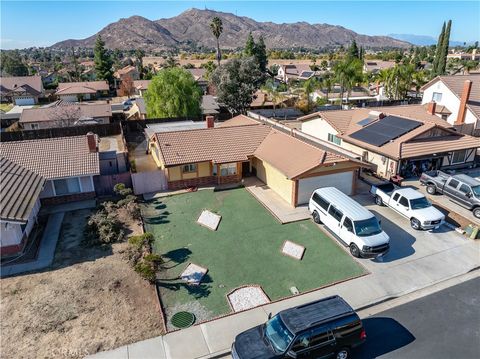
(306, 186)
(24, 101)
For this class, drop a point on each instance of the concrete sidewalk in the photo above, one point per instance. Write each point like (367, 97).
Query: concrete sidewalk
(214, 338)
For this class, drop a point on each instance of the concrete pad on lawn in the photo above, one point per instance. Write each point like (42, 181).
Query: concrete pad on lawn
(147, 349)
(185, 343)
(219, 334)
(209, 219)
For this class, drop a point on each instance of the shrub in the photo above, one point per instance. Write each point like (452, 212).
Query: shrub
(103, 228)
(146, 271)
(121, 190)
(142, 241)
(140, 256)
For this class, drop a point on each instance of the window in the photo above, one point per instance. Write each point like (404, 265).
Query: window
(192, 167)
(335, 213)
(453, 183)
(465, 189)
(334, 139)
(302, 342)
(347, 223)
(320, 201)
(459, 156)
(395, 197)
(320, 336)
(66, 186)
(228, 169)
(444, 117)
(34, 126)
(437, 97)
(404, 202)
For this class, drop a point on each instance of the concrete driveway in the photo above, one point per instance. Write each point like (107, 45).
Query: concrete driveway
(444, 202)
(407, 244)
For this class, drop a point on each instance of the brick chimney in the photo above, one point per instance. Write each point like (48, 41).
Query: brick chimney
(431, 108)
(210, 121)
(92, 142)
(462, 111)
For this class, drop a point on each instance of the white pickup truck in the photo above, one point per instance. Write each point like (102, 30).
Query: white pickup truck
(410, 204)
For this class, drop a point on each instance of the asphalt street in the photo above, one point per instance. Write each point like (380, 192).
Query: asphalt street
(442, 325)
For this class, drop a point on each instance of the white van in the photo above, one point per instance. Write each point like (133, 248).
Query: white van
(353, 224)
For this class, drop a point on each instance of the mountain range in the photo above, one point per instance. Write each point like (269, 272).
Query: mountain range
(191, 28)
(423, 40)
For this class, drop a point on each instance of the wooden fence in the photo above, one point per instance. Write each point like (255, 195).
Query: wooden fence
(104, 184)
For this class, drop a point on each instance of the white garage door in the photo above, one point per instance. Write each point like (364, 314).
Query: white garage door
(306, 186)
(25, 101)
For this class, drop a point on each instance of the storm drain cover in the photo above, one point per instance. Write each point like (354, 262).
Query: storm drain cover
(183, 320)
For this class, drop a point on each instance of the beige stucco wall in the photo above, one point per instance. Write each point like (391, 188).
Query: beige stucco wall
(174, 173)
(204, 169)
(274, 179)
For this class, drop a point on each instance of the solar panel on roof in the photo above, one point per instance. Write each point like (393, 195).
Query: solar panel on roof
(385, 130)
(366, 121)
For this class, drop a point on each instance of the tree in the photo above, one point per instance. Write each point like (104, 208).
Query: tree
(170, 62)
(217, 28)
(261, 54)
(347, 74)
(438, 50)
(12, 64)
(76, 68)
(103, 61)
(65, 116)
(173, 92)
(209, 68)
(126, 87)
(442, 60)
(236, 82)
(353, 50)
(139, 55)
(272, 91)
(249, 46)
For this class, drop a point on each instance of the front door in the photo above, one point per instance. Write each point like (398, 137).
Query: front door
(246, 169)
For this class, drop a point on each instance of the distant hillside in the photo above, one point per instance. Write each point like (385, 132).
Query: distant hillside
(422, 40)
(192, 27)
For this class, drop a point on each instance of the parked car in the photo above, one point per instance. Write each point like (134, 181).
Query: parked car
(410, 204)
(461, 188)
(324, 328)
(347, 220)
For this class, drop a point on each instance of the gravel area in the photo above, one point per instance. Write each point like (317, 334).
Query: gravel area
(201, 313)
(209, 219)
(293, 250)
(247, 297)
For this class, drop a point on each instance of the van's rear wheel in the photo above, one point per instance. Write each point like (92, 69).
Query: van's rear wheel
(316, 217)
(415, 223)
(343, 353)
(378, 201)
(476, 212)
(354, 250)
(431, 189)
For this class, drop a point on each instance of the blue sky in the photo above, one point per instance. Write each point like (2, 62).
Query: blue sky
(42, 23)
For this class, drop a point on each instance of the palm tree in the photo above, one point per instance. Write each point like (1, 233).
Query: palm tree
(217, 28)
(327, 85)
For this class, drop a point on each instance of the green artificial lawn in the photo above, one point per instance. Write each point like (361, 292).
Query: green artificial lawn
(246, 249)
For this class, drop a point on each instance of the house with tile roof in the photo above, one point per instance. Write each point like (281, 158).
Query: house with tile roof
(64, 114)
(395, 140)
(20, 202)
(292, 72)
(141, 87)
(68, 165)
(78, 91)
(243, 147)
(460, 94)
(21, 90)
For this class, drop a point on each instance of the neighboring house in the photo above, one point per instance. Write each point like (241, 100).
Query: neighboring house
(280, 113)
(78, 91)
(291, 72)
(141, 87)
(358, 95)
(65, 114)
(22, 90)
(210, 106)
(138, 111)
(68, 164)
(243, 147)
(127, 71)
(20, 203)
(400, 140)
(474, 56)
(461, 96)
(199, 76)
(375, 66)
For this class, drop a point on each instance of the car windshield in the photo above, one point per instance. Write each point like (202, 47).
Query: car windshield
(278, 334)
(367, 227)
(419, 203)
(476, 191)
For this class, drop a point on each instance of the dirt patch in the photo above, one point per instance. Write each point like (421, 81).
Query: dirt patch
(90, 300)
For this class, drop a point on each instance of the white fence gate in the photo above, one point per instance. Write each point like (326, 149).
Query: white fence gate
(148, 182)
